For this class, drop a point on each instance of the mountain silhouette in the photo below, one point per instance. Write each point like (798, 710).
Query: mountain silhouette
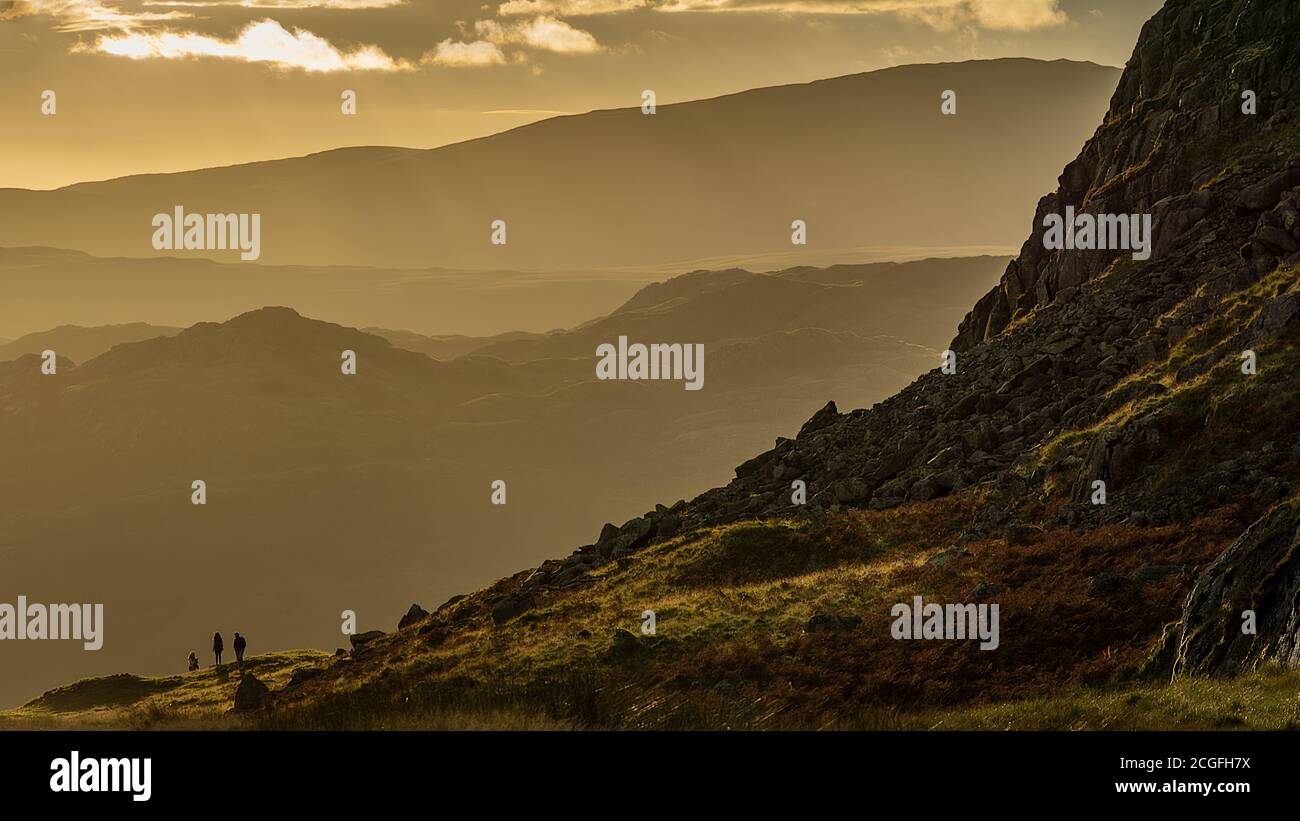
(865, 159)
(80, 343)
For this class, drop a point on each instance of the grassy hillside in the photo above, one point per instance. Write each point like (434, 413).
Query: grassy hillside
(732, 651)
(201, 699)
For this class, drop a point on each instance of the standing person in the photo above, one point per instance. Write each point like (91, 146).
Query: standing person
(240, 644)
(217, 646)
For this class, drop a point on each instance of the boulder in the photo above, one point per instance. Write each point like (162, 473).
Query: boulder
(1106, 584)
(821, 419)
(634, 534)
(304, 674)
(944, 556)
(251, 694)
(1022, 534)
(450, 602)
(985, 591)
(1155, 572)
(624, 642)
(360, 640)
(415, 614)
(511, 607)
(1266, 193)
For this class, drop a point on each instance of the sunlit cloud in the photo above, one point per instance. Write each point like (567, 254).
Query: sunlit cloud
(264, 41)
(567, 8)
(341, 5)
(477, 53)
(944, 15)
(546, 33)
(85, 15)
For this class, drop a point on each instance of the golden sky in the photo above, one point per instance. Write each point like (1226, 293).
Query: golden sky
(166, 85)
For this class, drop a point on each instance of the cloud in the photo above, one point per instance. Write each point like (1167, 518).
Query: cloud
(102, 15)
(477, 53)
(567, 8)
(340, 5)
(944, 15)
(264, 41)
(85, 15)
(546, 33)
(1018, 15)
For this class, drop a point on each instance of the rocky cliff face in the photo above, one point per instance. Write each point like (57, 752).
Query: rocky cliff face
(1177, 107)
(1088, 367)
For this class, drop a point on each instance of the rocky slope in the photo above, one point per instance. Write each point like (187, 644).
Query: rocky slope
(1086, 366)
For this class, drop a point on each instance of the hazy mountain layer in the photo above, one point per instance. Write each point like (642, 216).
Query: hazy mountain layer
(46, 287)
(80, 343)
(329, 492)
(866, 159)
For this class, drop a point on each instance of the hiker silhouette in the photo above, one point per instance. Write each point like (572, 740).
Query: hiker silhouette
(240, 644)
(194, 661)
(217, 646)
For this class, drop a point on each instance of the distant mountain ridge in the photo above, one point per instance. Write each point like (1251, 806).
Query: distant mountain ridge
(908, 300)
(81, 343)
(865, 159)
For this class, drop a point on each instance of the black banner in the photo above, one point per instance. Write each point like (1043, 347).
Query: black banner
(144, 772)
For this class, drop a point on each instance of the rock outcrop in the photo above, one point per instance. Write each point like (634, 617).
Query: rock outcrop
(1179, 97)
(1245, 608)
